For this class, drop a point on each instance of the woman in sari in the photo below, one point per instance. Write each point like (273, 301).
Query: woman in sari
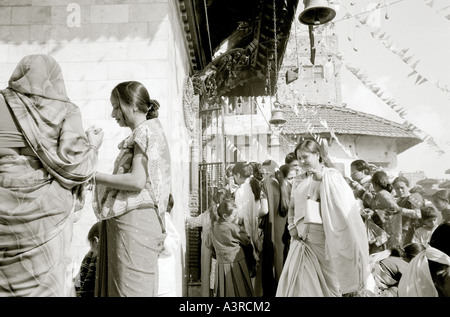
(252, 206)
(384, 205)
(409, 205)
(328, 255)
(46, 159)
(273, 224)
(132, 201)
(289, 175)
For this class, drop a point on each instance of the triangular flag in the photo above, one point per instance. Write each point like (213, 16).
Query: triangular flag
(418, 78)
(422, 81)
(415, 64)
(406, 59)
(402, 52)
(413, 73)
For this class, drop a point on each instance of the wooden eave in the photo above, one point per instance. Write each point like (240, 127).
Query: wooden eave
(247, 66)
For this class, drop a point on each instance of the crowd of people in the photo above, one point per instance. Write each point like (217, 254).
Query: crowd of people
(302, 229)
(312, 231)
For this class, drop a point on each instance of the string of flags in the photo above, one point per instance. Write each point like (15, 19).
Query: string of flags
(408, 59)
(377, 90)
(310, 127)
(430, 3)
(404, 54)
(241, 156)
(394, 105)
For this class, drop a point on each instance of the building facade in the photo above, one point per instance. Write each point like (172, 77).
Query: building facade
(99, 44)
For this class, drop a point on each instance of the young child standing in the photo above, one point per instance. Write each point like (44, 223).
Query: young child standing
(85, 280)
(232, 275)
(429, 223)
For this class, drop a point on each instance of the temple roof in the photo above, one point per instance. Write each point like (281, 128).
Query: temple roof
(344, 121)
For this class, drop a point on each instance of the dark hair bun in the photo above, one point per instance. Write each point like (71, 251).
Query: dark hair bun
(153, 106)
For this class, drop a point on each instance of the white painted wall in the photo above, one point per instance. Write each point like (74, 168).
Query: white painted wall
(99, 44)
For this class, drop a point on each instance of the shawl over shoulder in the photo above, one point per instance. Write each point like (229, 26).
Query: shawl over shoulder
(248, 210)
(50, 123)
(346, 238)
(150, 138)
(417, 280)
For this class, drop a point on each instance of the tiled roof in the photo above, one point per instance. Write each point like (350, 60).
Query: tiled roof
(342, 120)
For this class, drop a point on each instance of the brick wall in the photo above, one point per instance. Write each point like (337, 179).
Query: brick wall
(98, 44)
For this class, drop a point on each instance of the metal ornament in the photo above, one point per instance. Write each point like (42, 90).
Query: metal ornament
(316, 12)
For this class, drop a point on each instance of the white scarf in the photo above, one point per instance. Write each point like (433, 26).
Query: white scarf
(346, 237)
(417, 280)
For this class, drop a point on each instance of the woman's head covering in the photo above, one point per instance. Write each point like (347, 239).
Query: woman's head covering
(50, 123)
(39, 75)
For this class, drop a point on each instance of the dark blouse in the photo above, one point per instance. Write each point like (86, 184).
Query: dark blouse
(228, 239)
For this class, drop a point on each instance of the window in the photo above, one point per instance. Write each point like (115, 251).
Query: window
(313, 72)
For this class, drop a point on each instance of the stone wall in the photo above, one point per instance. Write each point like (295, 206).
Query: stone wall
(98, 44)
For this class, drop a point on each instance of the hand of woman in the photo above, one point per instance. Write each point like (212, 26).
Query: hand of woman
(393, 210)
(294, 233)
(317, 173)
(367, 213)
(95, 136)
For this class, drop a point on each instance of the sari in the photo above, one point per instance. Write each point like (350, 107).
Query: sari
(39, 194)
(411, 219)
(329, 259)
(132, 229)
(249, 213)
(392, 224)
(273, 226)
(387, 271)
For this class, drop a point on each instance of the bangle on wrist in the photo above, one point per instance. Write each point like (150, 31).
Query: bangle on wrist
(91, 146)
(92, 181)
(290, 220)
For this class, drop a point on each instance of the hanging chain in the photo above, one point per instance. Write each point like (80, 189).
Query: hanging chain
(207, 28)
(269, 67)
(275, 45)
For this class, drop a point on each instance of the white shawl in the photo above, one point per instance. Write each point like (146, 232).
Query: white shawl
(417, 280)
(346, 237)
(248, 211)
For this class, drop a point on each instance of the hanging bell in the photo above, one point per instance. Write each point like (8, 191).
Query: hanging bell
(316, 12)
(277, 117)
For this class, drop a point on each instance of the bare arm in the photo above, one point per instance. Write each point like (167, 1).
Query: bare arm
(134, 180)
(291, 226)
(195, 222)
(411, 213)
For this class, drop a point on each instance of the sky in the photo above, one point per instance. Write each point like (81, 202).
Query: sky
(417, 81)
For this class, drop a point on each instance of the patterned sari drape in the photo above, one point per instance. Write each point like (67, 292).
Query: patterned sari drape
(39, 194)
